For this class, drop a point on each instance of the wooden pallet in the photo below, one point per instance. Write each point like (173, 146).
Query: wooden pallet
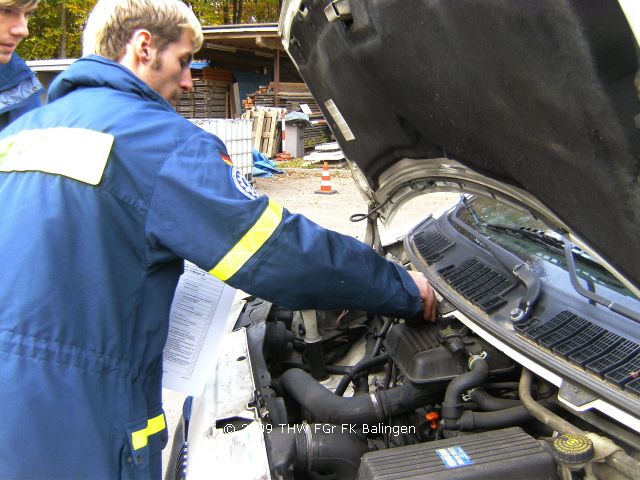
(291, 96)
(266, 129)
(210, 98)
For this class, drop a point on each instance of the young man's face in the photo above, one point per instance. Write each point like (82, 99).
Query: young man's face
(170, 73)
(13, 29)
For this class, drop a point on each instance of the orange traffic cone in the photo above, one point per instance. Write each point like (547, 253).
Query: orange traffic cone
(325, 185)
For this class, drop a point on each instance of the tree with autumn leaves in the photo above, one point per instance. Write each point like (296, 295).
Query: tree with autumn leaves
(56, 30)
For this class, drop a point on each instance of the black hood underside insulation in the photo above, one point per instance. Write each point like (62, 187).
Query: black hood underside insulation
(538, 94)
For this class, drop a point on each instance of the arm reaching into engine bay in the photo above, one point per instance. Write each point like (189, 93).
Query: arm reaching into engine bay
(253, 243)
(427, 294)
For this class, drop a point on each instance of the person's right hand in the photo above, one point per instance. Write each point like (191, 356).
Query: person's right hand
(427, 294)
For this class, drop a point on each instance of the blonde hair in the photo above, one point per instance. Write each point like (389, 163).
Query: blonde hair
(18, 3)
(113, 22)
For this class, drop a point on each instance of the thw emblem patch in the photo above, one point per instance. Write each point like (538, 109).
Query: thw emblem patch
(242, 184)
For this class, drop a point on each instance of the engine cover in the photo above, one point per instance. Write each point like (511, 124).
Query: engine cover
(505, 454)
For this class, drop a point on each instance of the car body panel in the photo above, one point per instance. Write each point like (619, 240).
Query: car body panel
(225, 434)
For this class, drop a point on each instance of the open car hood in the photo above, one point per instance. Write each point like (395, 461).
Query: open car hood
(537, 97)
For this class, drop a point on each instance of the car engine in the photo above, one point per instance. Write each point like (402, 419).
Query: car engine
(345, 394)
(526, 389)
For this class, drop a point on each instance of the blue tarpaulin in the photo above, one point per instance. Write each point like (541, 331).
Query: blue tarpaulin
(262, 166)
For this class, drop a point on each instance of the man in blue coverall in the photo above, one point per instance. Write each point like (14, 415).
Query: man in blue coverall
(104, 192)
(19, 88)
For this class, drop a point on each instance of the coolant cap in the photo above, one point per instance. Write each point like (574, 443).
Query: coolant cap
(572, 449)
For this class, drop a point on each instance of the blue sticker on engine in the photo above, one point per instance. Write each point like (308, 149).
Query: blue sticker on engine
(454, 457)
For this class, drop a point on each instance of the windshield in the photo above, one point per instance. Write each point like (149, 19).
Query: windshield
(535, 243)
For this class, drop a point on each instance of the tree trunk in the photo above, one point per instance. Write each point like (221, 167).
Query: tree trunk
(239, 17)
(225, 12)
(63, 31)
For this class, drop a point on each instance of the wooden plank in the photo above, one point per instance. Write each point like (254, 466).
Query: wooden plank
(315, 157)
(328, 146)
(290, 87)
(258, 125)
(266, 133)
(235, 103)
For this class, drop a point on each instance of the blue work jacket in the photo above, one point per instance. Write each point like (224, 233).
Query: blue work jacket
(20, 90)
(104, 191)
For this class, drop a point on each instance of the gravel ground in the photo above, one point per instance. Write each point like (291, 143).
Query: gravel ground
(296, 191)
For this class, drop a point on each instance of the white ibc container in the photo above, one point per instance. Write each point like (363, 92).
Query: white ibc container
(236, 135)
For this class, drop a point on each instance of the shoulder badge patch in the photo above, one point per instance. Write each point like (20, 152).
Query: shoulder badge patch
(242, 184)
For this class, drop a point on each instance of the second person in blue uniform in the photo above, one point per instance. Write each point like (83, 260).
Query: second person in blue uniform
(19, 88)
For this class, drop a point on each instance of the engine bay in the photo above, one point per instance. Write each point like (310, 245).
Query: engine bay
(518, 377)
(425, 399)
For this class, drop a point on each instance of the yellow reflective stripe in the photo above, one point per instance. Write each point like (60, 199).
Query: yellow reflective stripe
(250, 243)
(76, 153)
(140, 439)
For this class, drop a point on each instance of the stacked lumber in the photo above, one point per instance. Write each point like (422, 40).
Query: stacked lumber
(212, 96)
(210, 99)
(316, 134)
(291, 96)
(266, 129)
(248, 103)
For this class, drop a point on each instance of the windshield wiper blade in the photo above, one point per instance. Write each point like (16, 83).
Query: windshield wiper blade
(550, 243)
(536, 236)
(573, 276)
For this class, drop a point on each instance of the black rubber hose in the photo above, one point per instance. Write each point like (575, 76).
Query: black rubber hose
(316, 447)
(327, 448)
(489, 403)
(361, 385)
(470, 421)
(383, 333)
(452, 404)
(332, 369)
(363, 365)
(326, 407)
(387, 377)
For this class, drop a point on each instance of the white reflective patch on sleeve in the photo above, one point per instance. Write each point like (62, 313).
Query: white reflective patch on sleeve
(76, 153)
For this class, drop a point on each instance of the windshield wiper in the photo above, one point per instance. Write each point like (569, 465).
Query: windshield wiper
(508, 260)
(552, 244)
(536, 236)
(613, 306)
